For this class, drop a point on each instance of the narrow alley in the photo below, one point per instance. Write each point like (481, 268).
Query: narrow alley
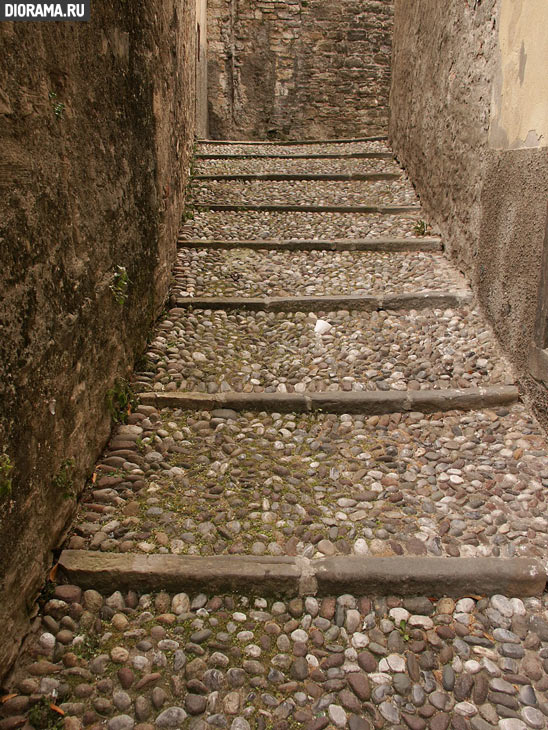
(328, 508)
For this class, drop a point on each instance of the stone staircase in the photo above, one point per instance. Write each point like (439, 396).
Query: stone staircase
(328, 508)
(327, 411)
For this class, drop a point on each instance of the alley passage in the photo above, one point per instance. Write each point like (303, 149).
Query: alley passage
(322, 393)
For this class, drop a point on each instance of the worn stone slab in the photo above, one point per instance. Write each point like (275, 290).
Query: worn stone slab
(263, 208)
(293, 177)
(290, 143)
(430, 576)
(420, 300)
(298, 576)
(245, 574)
(367, 403)
(375, 244)
(299, 156)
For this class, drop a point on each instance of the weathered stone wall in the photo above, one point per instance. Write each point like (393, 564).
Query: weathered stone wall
(96, 129)
(480, 176)
(296, 69)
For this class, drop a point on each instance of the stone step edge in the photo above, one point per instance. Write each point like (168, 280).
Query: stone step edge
(417, 300)
(265, 208)
(291, 142)
(297, 576)
(388, 245)
(297, 156)
(370, 403)
(290, 177)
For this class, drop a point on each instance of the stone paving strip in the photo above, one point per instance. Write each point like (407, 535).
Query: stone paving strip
(381, 192)
(343, 148)
(295, 166)
(235, 225)
(254, 483)
(379, 243)
(256, 352)
(244, 272)
(130, 661)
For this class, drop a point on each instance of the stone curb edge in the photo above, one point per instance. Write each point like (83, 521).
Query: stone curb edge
(366, 403)
(404, 576)
(388, 245)
(295, 177)
(298, 156)
(418, 300)
(290, 142)
(265, 208)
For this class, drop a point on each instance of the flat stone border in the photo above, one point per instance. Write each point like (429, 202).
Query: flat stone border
(293, 177)
(298, 156)
(259, 208)
(436, 577)
(418, 300)
(385, 245)
(290, 143)
(372, 403)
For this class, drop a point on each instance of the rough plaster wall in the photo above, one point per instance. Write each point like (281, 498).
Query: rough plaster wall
(99, 187)
(489, 204)
(289, 68)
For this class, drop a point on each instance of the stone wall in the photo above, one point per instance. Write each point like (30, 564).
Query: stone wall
(296, 69)
(96, 129)
(469, 119)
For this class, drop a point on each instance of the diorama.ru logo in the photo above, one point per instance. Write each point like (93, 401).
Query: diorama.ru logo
(45, 11)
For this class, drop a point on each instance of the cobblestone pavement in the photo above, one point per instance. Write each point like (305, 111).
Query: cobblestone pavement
(163, 661)
(218, 351)
(243, 272)
(179, 482)
(295, 167)
(469, 485)
(301, 192)
(250, 225)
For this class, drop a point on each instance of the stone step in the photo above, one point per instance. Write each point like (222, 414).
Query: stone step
(417, 300)
(298, 177)
(296, 156)
(227, 482)
(246, 272)
(292, 576)
(366, 403)
(240, 225)
(374, 244)
(265, 208)
(215, 351)
(290, 143)
(307, 166)
(354, 196)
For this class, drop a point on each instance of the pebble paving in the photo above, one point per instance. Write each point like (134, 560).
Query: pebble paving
(379, 192)
(130, 661)
(238, 483)
(258, 166)
(343, 148)
(250, 225)
(244, 272)
(217, 351)
(224, 482)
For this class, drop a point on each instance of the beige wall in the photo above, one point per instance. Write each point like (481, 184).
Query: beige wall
(519, 110)
(469, 112)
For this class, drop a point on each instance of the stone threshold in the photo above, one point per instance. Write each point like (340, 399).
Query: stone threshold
(417, 300)
(295, 177)
(265, 208)
(372, 403)
(297, 156)
(297, 576)
(380, 244)
(291, 142)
